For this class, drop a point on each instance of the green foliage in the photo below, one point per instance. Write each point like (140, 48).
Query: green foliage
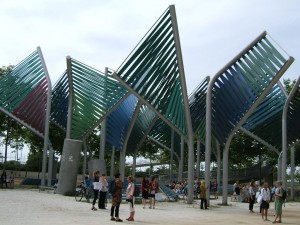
(289, 84)
(34, 162)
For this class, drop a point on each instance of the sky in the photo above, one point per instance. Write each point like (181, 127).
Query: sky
(102, 33)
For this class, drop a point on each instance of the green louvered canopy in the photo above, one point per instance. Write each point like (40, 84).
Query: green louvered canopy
(151, 72)
(94, 95)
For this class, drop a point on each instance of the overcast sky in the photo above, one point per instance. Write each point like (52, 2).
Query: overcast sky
(102, 33)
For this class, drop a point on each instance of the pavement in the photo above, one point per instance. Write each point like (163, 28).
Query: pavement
(29, 206)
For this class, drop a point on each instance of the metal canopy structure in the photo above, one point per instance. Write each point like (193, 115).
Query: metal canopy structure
(290, 129)
(236, 90)
(293, 112)
(266, 120)
(154, 73)
(23, 93)
(118, 122)
(151, 72)
(141, 129)
(197, 101)
(94, 96)
(25, 96)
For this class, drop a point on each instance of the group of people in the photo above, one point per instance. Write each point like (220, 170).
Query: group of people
(149, 190)
(10, 180)
(99, 190)
(265, 193)
(100, 187)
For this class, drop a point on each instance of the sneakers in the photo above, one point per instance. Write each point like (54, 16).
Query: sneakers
(112, 218)
(118, 220)
(94, 209)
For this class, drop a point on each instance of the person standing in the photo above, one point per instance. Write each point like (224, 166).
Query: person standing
(152, 191)
(103, 192)
(252, 193)
(11, 179)
(203, 195)
(116, 199)
(4, 178)
(237, 189)
(265, 204)
(96, 175)
(130, 198)
(278, 202)
(145, 190)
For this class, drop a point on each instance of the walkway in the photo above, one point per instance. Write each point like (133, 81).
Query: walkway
(32, 207)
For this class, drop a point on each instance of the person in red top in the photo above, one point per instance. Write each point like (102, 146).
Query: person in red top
(145, 190)
(153, 189)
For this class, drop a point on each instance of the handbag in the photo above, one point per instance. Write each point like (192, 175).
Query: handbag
(259, 199)
(97, 185)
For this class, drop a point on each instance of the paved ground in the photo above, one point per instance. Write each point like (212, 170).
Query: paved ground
(42, 208)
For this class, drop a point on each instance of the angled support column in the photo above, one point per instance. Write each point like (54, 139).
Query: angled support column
(293, 173)
(180, 167)
(279, 169)
(134, 164)
(198, 159)
(171, 155)
(72, 148)
(47, 121)
(133, 120)
(103, 123)
(190, 133)
(284, 132)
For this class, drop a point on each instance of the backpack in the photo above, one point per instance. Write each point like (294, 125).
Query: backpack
(112, 187)
(283, 194)
(198, 190)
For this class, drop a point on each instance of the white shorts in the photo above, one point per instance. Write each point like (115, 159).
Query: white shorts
(131, 205)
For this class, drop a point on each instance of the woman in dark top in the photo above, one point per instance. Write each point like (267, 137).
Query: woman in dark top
(96, 175)
(116, 199)
(145, 190)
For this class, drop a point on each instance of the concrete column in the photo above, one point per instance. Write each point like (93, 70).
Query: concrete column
(219, 164)
(225, 174)
(97, 164)
(84, 159)
(102, 140)
(69, 167)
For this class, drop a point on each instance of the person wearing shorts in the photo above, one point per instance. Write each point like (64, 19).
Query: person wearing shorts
(152, 191)
(145, 190)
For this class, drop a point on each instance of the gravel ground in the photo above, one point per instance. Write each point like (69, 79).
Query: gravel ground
(32, 207)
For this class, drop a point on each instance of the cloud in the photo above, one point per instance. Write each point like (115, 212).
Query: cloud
(103, 33)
